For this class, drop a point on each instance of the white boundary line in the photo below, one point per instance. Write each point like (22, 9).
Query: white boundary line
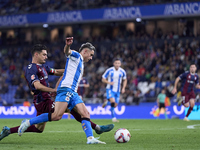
(188, 127)
(192, 126)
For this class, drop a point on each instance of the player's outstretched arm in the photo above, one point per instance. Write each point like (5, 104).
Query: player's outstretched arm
(175, 85)
(59, 72)
(43, 88)
(68, 43)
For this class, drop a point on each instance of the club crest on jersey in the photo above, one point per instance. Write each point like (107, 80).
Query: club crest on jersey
(33, 77)
(195, 78)
(67, 98)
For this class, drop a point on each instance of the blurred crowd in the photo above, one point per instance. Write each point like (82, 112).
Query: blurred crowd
(153, 59)
(147, 60)
(9, 7)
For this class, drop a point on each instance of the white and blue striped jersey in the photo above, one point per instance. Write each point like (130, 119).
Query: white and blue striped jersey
(73, 71)
(116, 76)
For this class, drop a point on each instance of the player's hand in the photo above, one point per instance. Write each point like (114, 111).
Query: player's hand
(111, 83)
(69, 41)
(123, 91)
(174, 91)
(198, 86)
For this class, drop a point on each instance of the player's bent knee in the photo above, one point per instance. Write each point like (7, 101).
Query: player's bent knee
(116, 105)
(86, 115)
(186, 105)
(56, 117)
(192, 105)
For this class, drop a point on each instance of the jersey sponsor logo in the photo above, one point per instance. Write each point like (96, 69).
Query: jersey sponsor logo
(45, 77)
(32, 77)
(190, 81)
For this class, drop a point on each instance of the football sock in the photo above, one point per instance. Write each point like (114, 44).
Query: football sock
(189, 111)
(77, 116)
(86, 125)
(112, 110)
(40, 119)
(166, 115)
(30, 129)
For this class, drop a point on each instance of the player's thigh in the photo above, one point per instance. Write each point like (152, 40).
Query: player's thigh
(186, 104)
(44, 107)
(112, 100)
(82, 110)
(185, 99)
(41, 126)
(192, 102)
(60, 108)
(117, 96)
(109, 95)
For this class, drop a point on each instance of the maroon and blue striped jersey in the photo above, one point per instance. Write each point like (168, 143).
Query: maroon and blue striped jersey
(36, 72)
(188, 81)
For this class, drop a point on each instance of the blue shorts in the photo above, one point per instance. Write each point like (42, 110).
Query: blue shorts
(111, 94)
(65, 94)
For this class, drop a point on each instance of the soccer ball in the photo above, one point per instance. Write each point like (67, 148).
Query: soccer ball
(122, 135)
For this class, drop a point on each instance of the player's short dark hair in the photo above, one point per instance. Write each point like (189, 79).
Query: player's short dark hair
(192, 63)
(116, 59)
(38, 48)
(87, 45)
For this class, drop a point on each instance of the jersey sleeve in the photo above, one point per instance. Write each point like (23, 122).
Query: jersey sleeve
(31, 74)
(124, 75)
(197, 80)
(105, 75)
(183, 75)
(49, 70)
(75, 54)
(158, 96)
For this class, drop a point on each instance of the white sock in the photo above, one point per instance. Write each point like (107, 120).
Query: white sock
(90, 137)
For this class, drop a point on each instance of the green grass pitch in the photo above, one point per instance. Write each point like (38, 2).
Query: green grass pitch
(145, 135)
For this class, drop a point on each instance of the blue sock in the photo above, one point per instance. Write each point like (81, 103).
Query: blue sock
(86, 125)
(112, 112)
(39, 119)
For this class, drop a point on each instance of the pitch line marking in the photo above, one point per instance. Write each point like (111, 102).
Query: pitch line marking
(192, 126)
(188, 127)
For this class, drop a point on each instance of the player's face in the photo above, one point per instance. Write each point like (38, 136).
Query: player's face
(193, 68)
(117, 64)
(87, 55)
(42, 57)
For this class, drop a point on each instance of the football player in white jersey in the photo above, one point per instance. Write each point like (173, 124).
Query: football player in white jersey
(67, 96)
(113, 77)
